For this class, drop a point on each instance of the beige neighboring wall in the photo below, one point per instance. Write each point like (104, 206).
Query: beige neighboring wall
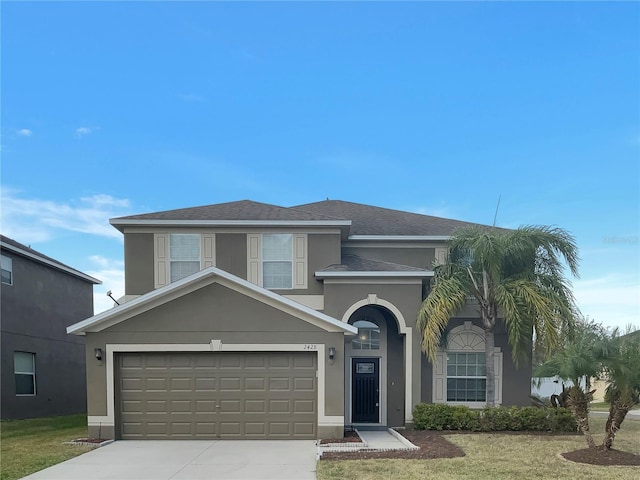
(215, 312)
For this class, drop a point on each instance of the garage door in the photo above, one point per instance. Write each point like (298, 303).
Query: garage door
(217, 395)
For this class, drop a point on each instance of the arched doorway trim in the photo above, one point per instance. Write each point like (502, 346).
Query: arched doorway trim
(373, 299)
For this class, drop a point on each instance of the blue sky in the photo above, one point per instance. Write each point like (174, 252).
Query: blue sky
(118, 108)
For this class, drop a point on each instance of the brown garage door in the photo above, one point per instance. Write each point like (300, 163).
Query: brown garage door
(217, 395)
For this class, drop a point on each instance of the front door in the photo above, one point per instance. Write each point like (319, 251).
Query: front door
(365, 390)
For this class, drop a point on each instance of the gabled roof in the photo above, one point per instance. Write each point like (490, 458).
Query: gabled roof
(199, 280)
(370, 220)
(356, 266)
(18, 248)
(243, 212)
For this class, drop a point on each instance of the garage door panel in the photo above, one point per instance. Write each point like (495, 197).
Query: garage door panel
(304, 384)
(279, 383)
(218, 395)
(205, 384)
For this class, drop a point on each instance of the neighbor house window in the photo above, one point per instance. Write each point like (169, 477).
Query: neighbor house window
(7, 270)
(24, 367)
(277, 261)
(184, 255)
(466, 377)
(368, 336)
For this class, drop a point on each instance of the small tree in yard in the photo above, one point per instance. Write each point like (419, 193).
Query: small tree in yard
(514, 274)
(577, 358)
(591, 351)
(621, 362)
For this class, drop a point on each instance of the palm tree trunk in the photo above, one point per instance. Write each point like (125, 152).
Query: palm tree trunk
(617, 413)
(578, 402)
(489, 342)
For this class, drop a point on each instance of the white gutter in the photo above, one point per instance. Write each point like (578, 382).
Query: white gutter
(400, 238)
(50, 263)
(228, 223)
(377, 274)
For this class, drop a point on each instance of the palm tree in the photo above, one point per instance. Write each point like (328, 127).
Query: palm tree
(516, 275)
(621, 362)
(577, 358)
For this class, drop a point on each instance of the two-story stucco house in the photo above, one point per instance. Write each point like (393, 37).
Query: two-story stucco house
(42, 367)
(247, 320)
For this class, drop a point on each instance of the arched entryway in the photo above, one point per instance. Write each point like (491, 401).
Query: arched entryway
(374, 368)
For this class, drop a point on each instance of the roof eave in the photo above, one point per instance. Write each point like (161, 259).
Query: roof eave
(121, 224)
(46, 261)
(401, 238)
(374, 274)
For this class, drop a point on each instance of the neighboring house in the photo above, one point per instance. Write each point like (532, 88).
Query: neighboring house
(247, 320)
(43, 368)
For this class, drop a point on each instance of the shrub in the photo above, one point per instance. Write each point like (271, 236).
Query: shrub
(492, 419)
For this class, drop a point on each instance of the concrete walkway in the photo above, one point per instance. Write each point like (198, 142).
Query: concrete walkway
(372, 440)
(190, 459)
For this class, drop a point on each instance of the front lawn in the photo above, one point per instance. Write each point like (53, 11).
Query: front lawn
(494, 456)
(33, 444)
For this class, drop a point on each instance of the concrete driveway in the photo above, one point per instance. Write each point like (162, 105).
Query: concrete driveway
(190, 459)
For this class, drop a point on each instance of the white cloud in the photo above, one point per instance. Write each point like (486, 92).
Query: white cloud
(83, 131)
(111, 273)
(190, 97)
(33, 220)
(612, 299)
(24, 132)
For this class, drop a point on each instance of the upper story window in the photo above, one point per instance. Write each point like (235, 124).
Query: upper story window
(277, 261)
(7, 270)
(368, 336)
(24, 368)
(184, 255)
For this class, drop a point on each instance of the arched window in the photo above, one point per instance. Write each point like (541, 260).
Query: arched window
(368, 336)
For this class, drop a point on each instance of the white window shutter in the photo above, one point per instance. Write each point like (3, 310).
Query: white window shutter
(440, 378)
(161, 259)
(254, 259)
(441, 255)
(300, 261)
(497, 360)
(208, 250)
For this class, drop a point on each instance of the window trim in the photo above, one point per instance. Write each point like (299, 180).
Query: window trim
(3, 259)
(465, 338)
(32, 373)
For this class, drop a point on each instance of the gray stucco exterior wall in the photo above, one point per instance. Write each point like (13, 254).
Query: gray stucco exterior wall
(231, 253)
(35, 312)
(138, 257)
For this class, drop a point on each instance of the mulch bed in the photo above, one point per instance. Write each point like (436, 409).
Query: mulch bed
(598, 456)
(433, 444)
(349, 437)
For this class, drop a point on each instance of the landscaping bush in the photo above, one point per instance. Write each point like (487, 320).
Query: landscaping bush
(492, 419)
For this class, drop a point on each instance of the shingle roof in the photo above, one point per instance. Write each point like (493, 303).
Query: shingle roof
(24, 250)
(240, 210)
(363, 219)
(370, 220)
(355, 263)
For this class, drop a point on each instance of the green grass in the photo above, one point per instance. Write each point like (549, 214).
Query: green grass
(496, 457)
(599, 406)
(33, 444)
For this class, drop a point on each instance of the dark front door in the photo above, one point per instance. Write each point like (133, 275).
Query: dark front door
(365, 390)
